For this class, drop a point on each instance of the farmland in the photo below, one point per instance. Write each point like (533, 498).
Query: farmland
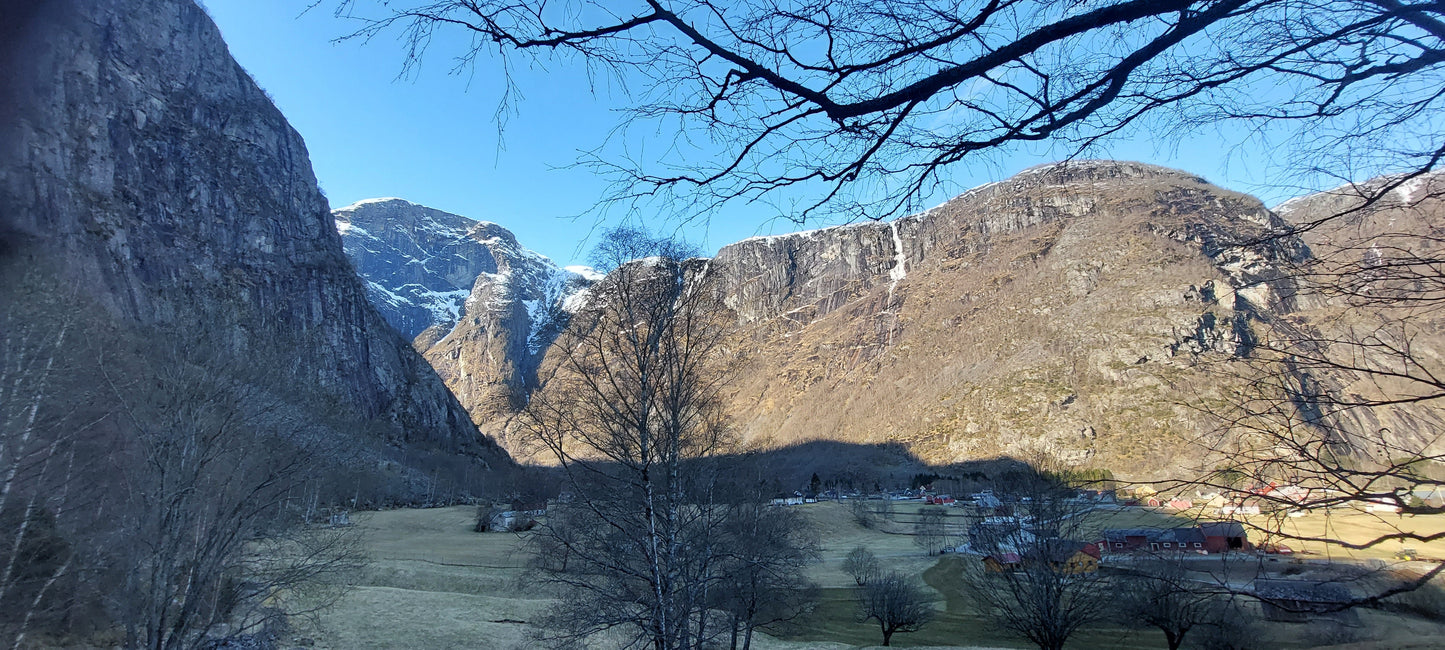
(432, 582)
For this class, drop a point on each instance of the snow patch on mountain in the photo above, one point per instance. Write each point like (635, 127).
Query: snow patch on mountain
(428, 269)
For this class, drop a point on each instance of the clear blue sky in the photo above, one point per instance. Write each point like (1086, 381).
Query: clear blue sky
(431, 138)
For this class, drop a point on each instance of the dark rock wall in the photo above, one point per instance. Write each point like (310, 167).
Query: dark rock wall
(136, 152)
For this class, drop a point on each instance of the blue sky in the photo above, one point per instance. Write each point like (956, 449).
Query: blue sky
(431, 138)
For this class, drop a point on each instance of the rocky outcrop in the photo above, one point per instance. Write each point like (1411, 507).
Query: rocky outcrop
(480, 307)
(144, 163)
(418, 263)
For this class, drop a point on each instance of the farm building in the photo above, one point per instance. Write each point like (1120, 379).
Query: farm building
(530, 508)
(1246, 508)
(986, 500)
(1000, 562)
(1064, 556)
(1304, 601)
(1382, 504)
(1154, 540)
(1072, 557)
(1210, 537)
(1222, 536)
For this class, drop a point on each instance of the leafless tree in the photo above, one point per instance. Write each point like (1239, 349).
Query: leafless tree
(212, 534)
(630, 411)
(765, 550)
(147, 482)
(1034, 581)
(53, 431)
(1161, 595)
(861, 106)
(895, 603)
(883, 508)
(861, 564)
(861, 512)
(930, 532)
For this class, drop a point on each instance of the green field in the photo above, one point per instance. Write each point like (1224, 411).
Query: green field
(433, 583)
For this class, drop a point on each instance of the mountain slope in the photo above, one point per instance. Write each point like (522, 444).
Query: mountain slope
(1380, 261)
(144, 165)
(1068, 313)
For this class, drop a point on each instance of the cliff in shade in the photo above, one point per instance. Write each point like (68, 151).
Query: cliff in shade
(1400, 231)
(480, 307)
(142, 163)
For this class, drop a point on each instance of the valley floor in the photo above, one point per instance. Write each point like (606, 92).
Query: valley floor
(433, 583)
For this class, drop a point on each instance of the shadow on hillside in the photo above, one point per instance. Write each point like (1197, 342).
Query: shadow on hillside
(846, 466)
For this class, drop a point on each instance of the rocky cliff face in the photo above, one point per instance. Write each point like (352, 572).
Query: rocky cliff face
(1069, 311)
(1377, 254)
(144, 163)
(480, 307)
(418, 263)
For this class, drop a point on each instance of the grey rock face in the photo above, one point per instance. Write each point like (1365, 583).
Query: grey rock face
(480, 307)
(138, 155)
(419, 264)
(804, 276)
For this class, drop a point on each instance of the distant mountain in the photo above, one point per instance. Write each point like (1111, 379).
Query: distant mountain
(477, 304)
(1069, 312)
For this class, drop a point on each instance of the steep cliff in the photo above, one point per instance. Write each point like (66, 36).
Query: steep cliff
(480, 307)
(141, 161)
(1070, 311)
(1075, 311)
(1378, 269)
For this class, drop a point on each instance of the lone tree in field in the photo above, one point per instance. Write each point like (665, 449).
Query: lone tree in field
(1161, 595)
(764, 550)
(896, 604)
(861, 564)
(930, 532)
(631, 414)
(1033, 583)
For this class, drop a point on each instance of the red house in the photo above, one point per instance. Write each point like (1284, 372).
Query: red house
(1222, 536)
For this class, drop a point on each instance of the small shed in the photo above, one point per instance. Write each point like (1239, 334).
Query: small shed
(1001, 562)
(1304, 601)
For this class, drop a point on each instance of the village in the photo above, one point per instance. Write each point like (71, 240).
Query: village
(1299, 586)
(461, 585)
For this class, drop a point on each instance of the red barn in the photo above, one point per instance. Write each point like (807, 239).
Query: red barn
(1223, 536)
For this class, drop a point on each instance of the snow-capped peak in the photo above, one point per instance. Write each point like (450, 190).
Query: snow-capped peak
(588, 273)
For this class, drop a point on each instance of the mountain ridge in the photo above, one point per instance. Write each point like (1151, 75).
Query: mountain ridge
(836, 306)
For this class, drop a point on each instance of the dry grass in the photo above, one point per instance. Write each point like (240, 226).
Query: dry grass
(433, 583)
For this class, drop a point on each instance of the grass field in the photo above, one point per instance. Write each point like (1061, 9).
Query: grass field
(433, 583)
